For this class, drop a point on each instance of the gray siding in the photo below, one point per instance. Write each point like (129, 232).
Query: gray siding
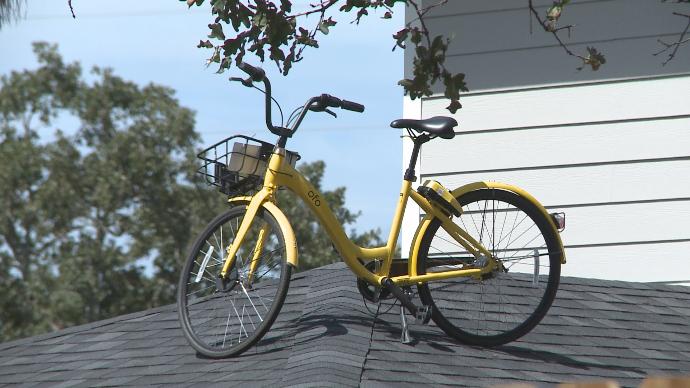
(492, 44)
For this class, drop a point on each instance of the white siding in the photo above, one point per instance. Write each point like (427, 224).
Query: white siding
(616, 159)
(611, 148)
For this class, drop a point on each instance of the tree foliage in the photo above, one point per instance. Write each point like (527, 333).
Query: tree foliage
(10, 10)
(81, 214)
(272, 31)
(76, 210)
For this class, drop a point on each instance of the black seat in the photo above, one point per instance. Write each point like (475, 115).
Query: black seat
(441, 126)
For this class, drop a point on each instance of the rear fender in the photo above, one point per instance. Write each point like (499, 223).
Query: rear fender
(424, 223)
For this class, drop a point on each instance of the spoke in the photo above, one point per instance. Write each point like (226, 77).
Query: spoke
(203, 289)
(500, 237)
(528, 242)
(250, 301)
(216, 238)
(475, 224)
(202, 277)
(249, 316)
(514, 227)
(450, 242)
(227, 324)
(242, 328)
(516, 258)
(268, 270)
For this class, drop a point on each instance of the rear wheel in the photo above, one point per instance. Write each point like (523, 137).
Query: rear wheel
(221, 320)
(503, 305)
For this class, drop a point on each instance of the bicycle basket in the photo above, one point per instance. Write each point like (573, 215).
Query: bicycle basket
(237, 164)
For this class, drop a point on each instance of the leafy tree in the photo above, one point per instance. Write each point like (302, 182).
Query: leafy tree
(81, 213)
(271, 30)
(10, 10)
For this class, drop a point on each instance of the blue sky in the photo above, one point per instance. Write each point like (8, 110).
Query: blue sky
(155, 41)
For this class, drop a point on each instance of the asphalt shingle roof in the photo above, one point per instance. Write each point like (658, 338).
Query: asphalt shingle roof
(325, 336)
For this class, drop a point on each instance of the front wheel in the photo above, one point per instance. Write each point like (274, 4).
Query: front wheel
(225, 319)
(507, 303)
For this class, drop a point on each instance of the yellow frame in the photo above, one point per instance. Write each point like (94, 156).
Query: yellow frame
(282, 174)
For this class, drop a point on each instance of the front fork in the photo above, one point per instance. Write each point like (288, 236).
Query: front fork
(256, 255)
(255, 258)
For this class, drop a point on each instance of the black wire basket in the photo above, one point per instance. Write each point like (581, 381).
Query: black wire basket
(237, 165)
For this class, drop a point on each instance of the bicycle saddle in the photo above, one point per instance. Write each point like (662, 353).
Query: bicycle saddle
(441, 126)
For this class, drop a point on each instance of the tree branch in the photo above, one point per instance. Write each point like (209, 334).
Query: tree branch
(675, 45)
(69, 2)
(554, 31)
(322, 7)
(593, 58)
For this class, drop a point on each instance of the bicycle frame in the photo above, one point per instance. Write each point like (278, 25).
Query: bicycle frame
(281, 174)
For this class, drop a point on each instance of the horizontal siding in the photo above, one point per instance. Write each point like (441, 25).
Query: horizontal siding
(454, 7)
(614, 183)
(642, 263)
(625, 224)
(611, 148)
(644, 99)
(560, 145)
(597, 21)
(550, 64)
(492, 44)
(613, 155)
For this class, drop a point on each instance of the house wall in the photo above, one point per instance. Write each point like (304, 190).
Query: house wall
(610, 148)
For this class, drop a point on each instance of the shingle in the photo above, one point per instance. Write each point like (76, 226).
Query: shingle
(326, 336)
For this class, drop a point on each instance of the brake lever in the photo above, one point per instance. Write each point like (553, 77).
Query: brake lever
(316, 107)
(330, 112)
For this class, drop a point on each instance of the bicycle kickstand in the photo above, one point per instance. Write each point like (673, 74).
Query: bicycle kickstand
(405, 333)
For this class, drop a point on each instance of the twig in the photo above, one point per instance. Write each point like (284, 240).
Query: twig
(69, 2)
(424, 11)
(317, 8)
(553, 31)
(675, 45)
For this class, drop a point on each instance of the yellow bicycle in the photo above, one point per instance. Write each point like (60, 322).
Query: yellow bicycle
(485, 258)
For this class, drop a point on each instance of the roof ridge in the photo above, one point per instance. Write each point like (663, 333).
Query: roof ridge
(317, 340)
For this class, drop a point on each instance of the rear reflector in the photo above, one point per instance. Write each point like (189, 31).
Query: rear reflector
(559, 220)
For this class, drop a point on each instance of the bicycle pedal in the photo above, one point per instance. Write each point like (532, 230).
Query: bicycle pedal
(423, 314)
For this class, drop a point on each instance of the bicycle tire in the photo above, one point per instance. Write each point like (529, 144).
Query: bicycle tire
(503, 306)
(212, 320)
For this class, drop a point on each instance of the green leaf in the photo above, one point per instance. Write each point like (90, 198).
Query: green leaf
(205, 44)
(454, 106)
(216, 31)
(323, 27)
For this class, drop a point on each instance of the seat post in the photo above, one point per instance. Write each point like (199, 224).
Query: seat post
(418, 141)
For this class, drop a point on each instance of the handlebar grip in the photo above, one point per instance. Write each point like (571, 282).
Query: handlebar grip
(256, 73)
(331, 101)
(353, 106)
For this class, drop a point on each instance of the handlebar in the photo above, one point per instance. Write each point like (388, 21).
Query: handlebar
(335, 102)
(316, 104)
(257, 74)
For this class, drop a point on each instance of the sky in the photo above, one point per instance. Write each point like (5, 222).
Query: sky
(155, 41)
